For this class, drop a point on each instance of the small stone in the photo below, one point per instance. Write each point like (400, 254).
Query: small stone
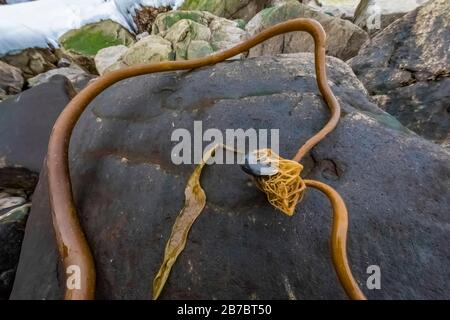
(64, 63)
(141, 35)
(75, 76)
(10, 202)
(106, 57)
(256, 167)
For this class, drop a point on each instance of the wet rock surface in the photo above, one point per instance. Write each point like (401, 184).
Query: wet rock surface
(128, 192)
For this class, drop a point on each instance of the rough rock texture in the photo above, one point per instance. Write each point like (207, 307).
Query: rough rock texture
(344, 39)
(26, 122)
(82, 44)
(407, 67)
(7, 201)
(128, 192)
(145, 16)
(16, 186)
(230, 9)
(198, 49)
(11, 80)
(77, 76)
(33, 61)
(12, 227)
(375, 15)
(183, 32)
(16, 178)
(3, 95)
(183, 27)
(148, 49)
(106, 57)
(179, 35)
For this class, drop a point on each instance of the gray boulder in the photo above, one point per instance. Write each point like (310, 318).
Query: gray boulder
(108, 56)
(77, 76)
(128, 192)
(27, 120)
(344, 39)
(406, 69)
(25, 124)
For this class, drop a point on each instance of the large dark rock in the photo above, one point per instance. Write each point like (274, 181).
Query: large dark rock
(128, 192)
(406, 67)
(25, 124)
(27, 120)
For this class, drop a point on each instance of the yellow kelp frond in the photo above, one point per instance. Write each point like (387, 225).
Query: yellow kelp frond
(285, 188)
(195, 200)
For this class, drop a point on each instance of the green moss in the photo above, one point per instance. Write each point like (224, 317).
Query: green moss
(213, 6)
(241, 23)
(89, 43)
(267, 13)
(199, 49)
(288, 10)
(191, 4)
(173, 17)
(89, 39)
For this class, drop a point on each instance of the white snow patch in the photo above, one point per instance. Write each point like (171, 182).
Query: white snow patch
(40, 23)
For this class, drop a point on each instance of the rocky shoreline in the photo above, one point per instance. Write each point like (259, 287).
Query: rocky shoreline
(388, 63)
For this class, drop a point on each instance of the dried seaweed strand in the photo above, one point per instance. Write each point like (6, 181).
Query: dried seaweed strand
(195, 200)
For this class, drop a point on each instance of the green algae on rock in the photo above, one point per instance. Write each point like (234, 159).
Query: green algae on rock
(82, 44)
